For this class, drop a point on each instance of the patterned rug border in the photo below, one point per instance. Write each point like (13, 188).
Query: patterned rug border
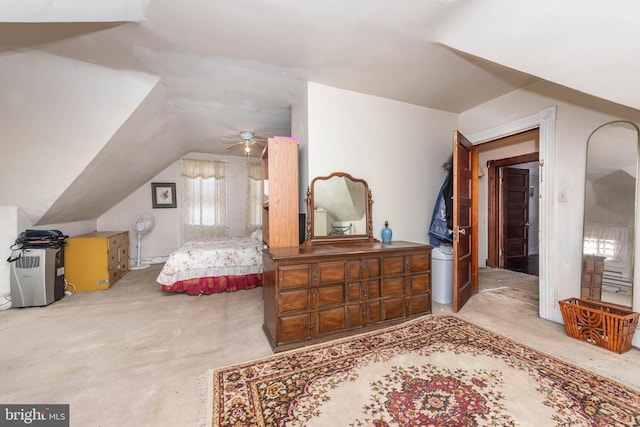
(443, 322)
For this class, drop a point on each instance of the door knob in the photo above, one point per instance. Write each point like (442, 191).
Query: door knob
(457, 231)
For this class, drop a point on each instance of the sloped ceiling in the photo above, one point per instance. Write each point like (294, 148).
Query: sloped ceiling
(107, 94)
(588, 46)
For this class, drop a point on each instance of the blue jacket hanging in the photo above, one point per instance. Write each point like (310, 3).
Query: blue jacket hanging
(442, 214)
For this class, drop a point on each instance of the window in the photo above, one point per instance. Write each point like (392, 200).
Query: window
(204, 199)
(608, 240)
(600, 247)
(253, 217)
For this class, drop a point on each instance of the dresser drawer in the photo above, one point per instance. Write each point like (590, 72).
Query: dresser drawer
(392, 265)
(294, 328)
(419, 283)
(294, 300)
(329, 272)
(330, 295)
(294, 276)
(417, 263)
(118, 240)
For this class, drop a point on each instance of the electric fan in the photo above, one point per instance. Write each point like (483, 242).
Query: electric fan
(143, 225)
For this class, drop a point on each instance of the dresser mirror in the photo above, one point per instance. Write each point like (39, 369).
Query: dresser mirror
(609, 213)
(339, 209)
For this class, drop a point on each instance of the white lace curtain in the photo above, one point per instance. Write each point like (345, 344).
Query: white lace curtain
(611, 241)
(204, 199)
(253, 212)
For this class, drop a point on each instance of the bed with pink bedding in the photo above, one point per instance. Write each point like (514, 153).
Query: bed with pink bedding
(213, 266)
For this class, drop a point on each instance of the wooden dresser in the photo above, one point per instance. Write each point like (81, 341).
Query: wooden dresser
(97, 260)
(315, 293)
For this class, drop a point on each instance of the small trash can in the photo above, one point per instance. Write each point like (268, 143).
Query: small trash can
(442, 274)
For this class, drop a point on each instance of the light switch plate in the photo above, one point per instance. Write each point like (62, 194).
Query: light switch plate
(562, 195)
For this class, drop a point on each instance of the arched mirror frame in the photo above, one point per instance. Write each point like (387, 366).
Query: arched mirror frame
(311, 238)
(594, 273)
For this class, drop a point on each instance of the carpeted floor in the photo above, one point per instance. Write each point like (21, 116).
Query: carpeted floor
(510, 285)
(134, 356)
(436, 370)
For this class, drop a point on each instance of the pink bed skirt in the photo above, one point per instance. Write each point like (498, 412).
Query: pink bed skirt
(215, 285)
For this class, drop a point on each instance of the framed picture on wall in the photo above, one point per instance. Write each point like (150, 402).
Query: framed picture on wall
(163, 195)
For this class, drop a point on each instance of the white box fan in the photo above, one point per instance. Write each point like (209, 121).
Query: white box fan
(143, 224)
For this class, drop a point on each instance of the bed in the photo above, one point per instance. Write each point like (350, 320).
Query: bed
(213, 266)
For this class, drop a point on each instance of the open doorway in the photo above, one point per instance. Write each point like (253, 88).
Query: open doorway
(545, 121)
(513, 213)
(509, 216)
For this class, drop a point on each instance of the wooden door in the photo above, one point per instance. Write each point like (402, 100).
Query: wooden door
(494, 213)
(515, 219)
(465, 226)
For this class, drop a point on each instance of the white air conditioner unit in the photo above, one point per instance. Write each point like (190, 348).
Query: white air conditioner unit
(36, 275)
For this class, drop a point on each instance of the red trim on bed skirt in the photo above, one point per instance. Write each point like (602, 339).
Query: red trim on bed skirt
(215, 285)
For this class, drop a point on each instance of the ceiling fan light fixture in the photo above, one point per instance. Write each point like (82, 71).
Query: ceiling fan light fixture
(247, 140)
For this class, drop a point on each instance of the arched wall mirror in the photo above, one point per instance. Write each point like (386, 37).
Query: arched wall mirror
(338, 209)
(609, 213)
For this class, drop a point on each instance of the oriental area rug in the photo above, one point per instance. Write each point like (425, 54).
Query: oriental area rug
(433, 371)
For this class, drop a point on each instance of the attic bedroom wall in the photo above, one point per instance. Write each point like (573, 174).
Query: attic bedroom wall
(54, 126)
(165, 236)
(398, 148)
(577, 116)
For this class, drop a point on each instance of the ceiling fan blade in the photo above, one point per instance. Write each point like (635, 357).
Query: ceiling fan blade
(230, 139)
(235, 145)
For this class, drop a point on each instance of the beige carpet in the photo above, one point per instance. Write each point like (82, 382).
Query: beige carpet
(510, 285)
(434, 371)
(133, 356)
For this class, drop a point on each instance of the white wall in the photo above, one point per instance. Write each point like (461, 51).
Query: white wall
(577, 116)
(54, 125)
(165, 236)
(397, 148)
(74, 11)
(299, 129)
(8, 234)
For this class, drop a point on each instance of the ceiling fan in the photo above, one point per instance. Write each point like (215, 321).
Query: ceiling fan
(248, 140)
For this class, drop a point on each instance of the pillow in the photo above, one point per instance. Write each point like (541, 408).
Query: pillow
(257, 235)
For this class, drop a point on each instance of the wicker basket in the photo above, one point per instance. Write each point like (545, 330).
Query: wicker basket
(605, 325)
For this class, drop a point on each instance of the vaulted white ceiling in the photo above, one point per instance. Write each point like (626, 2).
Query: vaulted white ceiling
(124, 88)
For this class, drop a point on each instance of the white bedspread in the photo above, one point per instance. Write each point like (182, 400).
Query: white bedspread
(230, 256)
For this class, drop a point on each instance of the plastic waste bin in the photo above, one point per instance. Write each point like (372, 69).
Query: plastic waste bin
(442, 274)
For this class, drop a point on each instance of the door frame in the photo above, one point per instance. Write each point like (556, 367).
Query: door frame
(545, 120)
(493, 200)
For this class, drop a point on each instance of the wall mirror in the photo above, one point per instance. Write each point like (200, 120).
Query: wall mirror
(609, 213)
(339, 209)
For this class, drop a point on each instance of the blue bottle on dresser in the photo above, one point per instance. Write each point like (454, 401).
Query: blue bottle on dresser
(386, 233)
